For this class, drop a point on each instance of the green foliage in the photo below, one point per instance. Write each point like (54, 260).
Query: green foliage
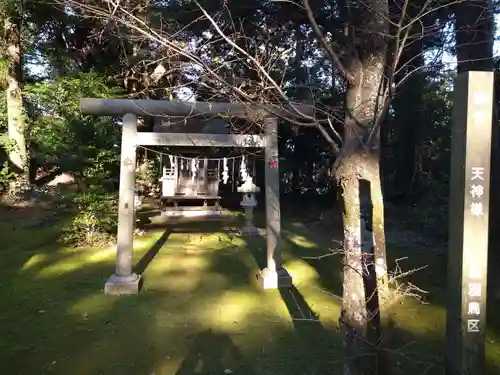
(3, 109)
(95, 221)
(6, 143)
(434, 149)
(10, 8)
(148, 172)
(431, 106)
(4, 65)
(6, 176)
(88, 147)
(61, 136)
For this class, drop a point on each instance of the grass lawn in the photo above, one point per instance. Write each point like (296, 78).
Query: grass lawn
(200, 311)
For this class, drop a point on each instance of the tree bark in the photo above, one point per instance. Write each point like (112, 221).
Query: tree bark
(364, 315)
(360, 164)
(379, 307)
(18, 156)
(353, 321)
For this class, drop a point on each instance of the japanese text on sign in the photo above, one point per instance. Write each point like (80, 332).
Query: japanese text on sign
(477, 191)
(475, 274)
(474, 290)
(473, 325)
(474, 308)
(474, 293)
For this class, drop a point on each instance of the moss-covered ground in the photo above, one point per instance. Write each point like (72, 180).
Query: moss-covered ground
(200, 310)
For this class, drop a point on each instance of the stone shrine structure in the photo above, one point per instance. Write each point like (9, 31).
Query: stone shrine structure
(124, 280)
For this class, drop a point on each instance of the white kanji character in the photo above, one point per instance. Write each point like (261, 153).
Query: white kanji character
(477, 173)
(477, 191)
(474, 308)
(474, 290)
(476, 208)
(473, 325)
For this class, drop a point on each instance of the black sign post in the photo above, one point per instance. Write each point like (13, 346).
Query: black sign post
(468, 226)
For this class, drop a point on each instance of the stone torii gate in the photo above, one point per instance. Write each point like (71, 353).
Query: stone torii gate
(124, 280)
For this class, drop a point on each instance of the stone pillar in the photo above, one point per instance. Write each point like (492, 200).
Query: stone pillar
(124, 281)
(274, 275)
(468, 225)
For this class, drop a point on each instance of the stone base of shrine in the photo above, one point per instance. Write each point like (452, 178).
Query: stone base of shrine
(274, 279)
(119, 285)
(194, 212)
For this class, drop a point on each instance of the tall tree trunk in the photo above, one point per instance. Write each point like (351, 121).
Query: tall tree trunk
(15, 110)
(353, 321)
(360, 165)
(379, 307)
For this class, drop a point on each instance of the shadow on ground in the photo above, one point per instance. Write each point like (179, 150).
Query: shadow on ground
(214, 353)
(199, 312)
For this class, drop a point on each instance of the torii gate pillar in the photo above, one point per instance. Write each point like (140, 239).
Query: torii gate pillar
(274, 275)
(124, 281)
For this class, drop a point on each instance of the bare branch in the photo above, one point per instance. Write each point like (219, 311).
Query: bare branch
(329, 50)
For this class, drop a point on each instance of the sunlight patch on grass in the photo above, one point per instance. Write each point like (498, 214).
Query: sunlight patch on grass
(101, 255)
(187, 283)
(210, 241)
(178, 261)
(419, 319)
(60, 268)
(33, 261)
(80, 259)
(144, 242)
(302, 272)
(168, 365)
(181, 283)
(92, 304)
(492, 350)
(302, 241)
(189, 262)
(232, 309)
(322, 302)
